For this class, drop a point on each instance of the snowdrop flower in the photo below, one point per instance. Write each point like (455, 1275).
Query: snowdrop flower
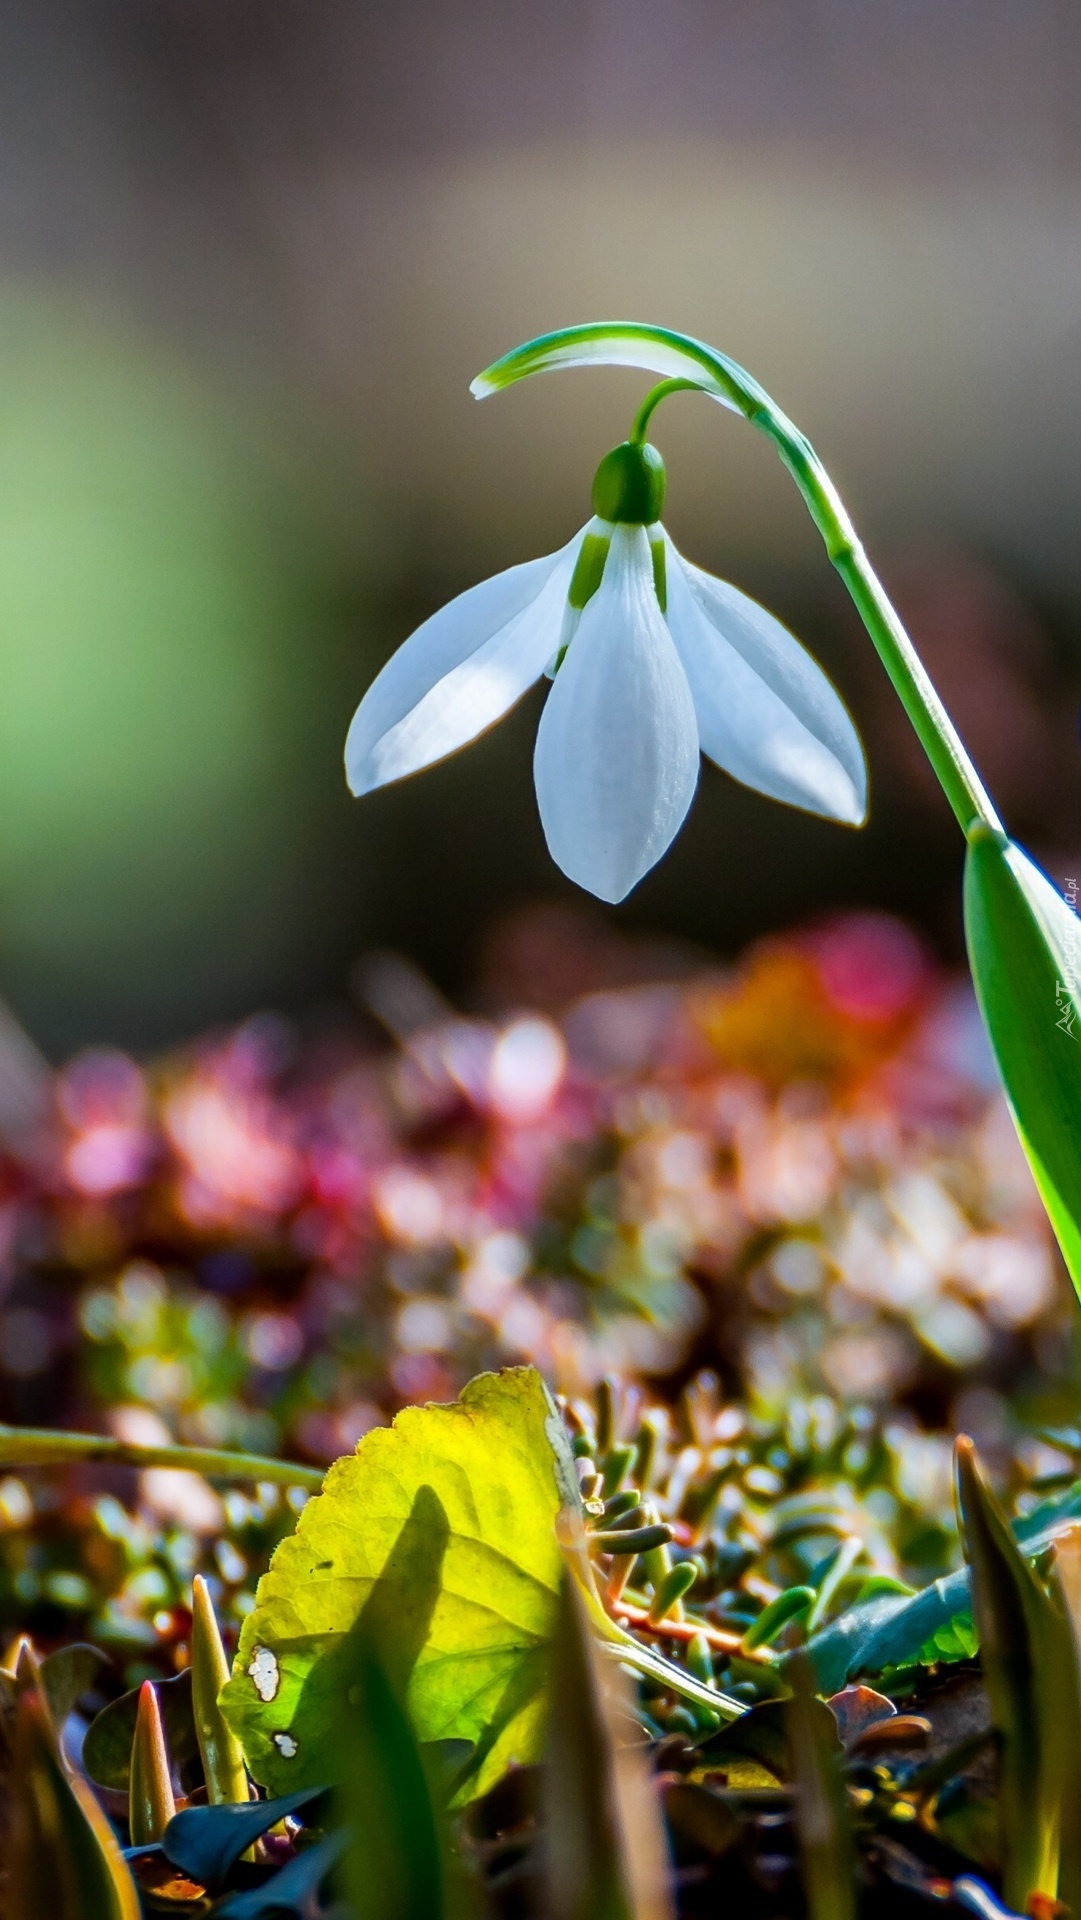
(653, 662)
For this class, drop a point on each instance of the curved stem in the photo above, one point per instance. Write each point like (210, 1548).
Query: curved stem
(653, 399)
(937, 734)
(688, 362)
(43, 1447)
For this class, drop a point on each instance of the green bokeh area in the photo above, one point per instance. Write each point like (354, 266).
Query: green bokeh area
(174, 666)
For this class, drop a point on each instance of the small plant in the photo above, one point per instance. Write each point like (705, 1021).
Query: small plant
(433, 1669)
(588, 1658)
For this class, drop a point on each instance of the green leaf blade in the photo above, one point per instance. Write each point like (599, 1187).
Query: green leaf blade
(437, 1538)
(1024, 945)
(1021, 1653)
(626, 343)
(604, 1855)
(61, 1856)
(823, 1822)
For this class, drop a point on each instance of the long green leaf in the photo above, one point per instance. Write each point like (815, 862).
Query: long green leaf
(626, 343)
(1024, 945)
(397, 1864)
(1021, 1648)
(605, 1855)
(219, 1748)
(62, 1859)
(1066, 1585)
(822, 1817)
(633, 343)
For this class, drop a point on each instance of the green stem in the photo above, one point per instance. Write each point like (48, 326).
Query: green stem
(653, 399)
(41, 1447)
(692, 363)
(937, 734)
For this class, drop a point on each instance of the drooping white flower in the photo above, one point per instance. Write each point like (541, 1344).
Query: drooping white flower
(653, 662)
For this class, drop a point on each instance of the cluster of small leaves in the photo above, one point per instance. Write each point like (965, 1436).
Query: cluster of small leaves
(457, 1737)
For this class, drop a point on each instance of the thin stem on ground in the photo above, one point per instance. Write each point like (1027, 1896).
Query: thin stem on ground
(42, 1447)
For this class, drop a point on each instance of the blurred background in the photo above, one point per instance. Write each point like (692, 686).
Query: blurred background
(310, 1107)
(251, 256)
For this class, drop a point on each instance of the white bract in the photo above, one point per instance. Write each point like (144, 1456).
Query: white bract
(654, 662)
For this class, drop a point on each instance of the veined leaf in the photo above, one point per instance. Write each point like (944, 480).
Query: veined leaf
(1024, 945)
(437, 1540)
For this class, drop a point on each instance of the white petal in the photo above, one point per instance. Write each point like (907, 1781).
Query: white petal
(766, 712)
(616, 761)
(460, 671)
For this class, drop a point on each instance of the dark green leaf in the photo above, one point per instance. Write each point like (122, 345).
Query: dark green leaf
(762, 1735)
(109, 1739)
(1024, 945)
(204, 1842)
(398, 1865)
(890, 1632)
(67, 1674)
(292, 1889)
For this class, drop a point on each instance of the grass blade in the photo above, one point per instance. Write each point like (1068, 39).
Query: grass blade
(1021, 1648)
(1066, 1588)
(62, 1857)
(605, 1852)
(397, 1864)
(151, 1804)
(822, 1817)
(219, 1748)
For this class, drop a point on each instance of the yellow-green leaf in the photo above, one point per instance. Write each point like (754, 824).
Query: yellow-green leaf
(437, 1540)
(1024, 944)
